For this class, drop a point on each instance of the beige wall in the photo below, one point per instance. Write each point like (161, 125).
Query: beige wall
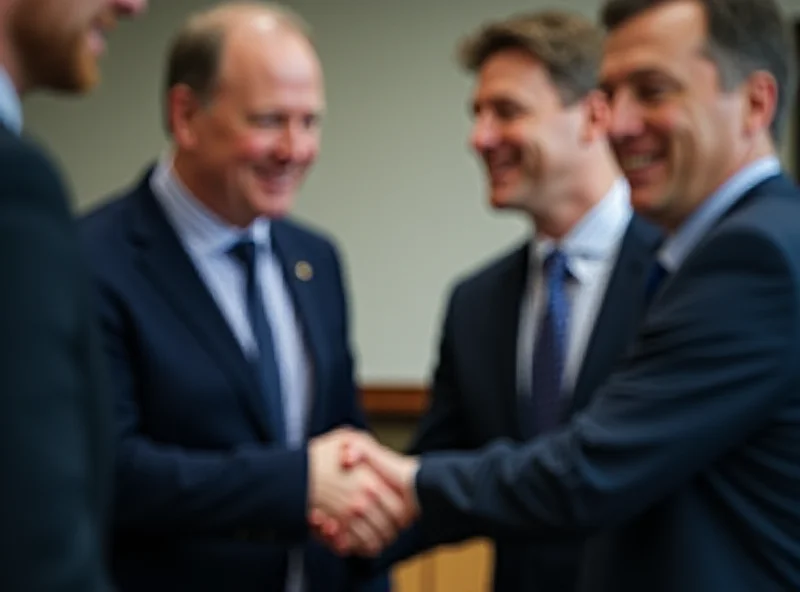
(395, 182)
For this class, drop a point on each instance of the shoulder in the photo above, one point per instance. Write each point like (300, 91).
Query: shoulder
(107, 217)
(319, 242)
(500, 271)
(29, 175)
(763, 232)
(104, 230)
(116, 211)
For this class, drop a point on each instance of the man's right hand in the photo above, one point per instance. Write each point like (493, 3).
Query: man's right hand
(352, 499)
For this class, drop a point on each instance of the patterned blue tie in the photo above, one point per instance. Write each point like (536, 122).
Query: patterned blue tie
(550, 350)
(266, 365)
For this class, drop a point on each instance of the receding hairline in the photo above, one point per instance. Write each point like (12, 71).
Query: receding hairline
(223, 18)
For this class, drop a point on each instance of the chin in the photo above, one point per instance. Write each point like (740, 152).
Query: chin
(274, 206)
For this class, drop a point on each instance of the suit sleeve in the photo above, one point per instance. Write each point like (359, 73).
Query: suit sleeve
(49, 533)
(711, 367)
(441, 426)
(162, 488)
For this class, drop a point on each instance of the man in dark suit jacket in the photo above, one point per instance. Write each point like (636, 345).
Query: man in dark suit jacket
(685, 468)
(482, 388)
(227, 373)
(54, 426)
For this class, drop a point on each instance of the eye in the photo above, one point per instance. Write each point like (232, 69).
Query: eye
(652, 93)
(508, 111)
(267, 120)
(311, 121)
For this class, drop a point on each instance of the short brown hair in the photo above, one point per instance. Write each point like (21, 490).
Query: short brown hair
(744, 36)
(568, 45)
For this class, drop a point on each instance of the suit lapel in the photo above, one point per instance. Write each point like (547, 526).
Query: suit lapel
(298, 271)
(620, 313)
(505, 310)
(165, 262)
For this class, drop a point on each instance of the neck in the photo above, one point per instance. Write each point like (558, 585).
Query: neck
(209, 191)
(575, 197)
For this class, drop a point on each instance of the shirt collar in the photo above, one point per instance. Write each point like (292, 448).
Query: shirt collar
(677, 246)
(201, 230)
(595, 237)
(10, 105)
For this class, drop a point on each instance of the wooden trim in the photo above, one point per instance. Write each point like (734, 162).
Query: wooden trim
(394, 401)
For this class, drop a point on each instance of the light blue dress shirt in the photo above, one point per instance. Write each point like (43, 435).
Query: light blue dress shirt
(10, 105)
(678, 246)
(208, 240)
(592, 248)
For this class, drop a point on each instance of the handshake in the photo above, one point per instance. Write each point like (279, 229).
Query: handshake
(361, 494)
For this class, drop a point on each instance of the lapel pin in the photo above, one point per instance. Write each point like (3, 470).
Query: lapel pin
(303, 271)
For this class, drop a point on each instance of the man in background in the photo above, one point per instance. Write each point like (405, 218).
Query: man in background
(225, 325)
(54, 426)
(530, 336)
(685, 469)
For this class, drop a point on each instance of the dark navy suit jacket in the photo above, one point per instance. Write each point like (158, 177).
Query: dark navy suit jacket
(685, 468)
(55, 419)
(204, 499)
(474, 394)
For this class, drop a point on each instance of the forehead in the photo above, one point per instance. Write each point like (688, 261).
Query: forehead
(663, 38)
(259, 66)
(512, 72)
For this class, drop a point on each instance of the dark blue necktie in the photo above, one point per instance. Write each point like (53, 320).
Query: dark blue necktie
(550, 349)
(265, 363)
(657, 275)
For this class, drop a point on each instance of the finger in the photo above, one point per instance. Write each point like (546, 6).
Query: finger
(364, 540)
(355, 450)
(316, 518)
(370, 509)
(383, 462)
(349, 457)
(394, 506)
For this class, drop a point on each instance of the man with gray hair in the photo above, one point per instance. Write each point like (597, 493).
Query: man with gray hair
(55, 461)
(225, 325)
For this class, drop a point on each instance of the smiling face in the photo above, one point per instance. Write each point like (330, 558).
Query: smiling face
(676, 133)
(58, 42)
(526, 138)
(254, 143)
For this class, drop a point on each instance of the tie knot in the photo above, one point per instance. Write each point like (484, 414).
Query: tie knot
(556, 265)
(245, 252)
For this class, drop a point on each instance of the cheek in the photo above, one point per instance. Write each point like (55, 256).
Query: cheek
(253, 146)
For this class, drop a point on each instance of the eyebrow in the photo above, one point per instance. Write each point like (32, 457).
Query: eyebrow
(645, 72)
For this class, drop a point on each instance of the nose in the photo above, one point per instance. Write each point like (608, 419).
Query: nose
(484, 133)
(130, 7)
(297, 142)
(626, 118)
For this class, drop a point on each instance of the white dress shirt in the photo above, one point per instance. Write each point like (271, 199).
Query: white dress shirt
(591, 248)
(208, 240)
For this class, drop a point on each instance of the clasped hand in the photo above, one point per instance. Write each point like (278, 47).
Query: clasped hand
(361, 494)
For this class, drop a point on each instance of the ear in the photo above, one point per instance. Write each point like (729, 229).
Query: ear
(597, 116)
(183, 109)
(760, 102)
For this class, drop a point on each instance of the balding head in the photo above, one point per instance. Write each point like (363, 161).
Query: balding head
(245, 95)
(198, 52)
